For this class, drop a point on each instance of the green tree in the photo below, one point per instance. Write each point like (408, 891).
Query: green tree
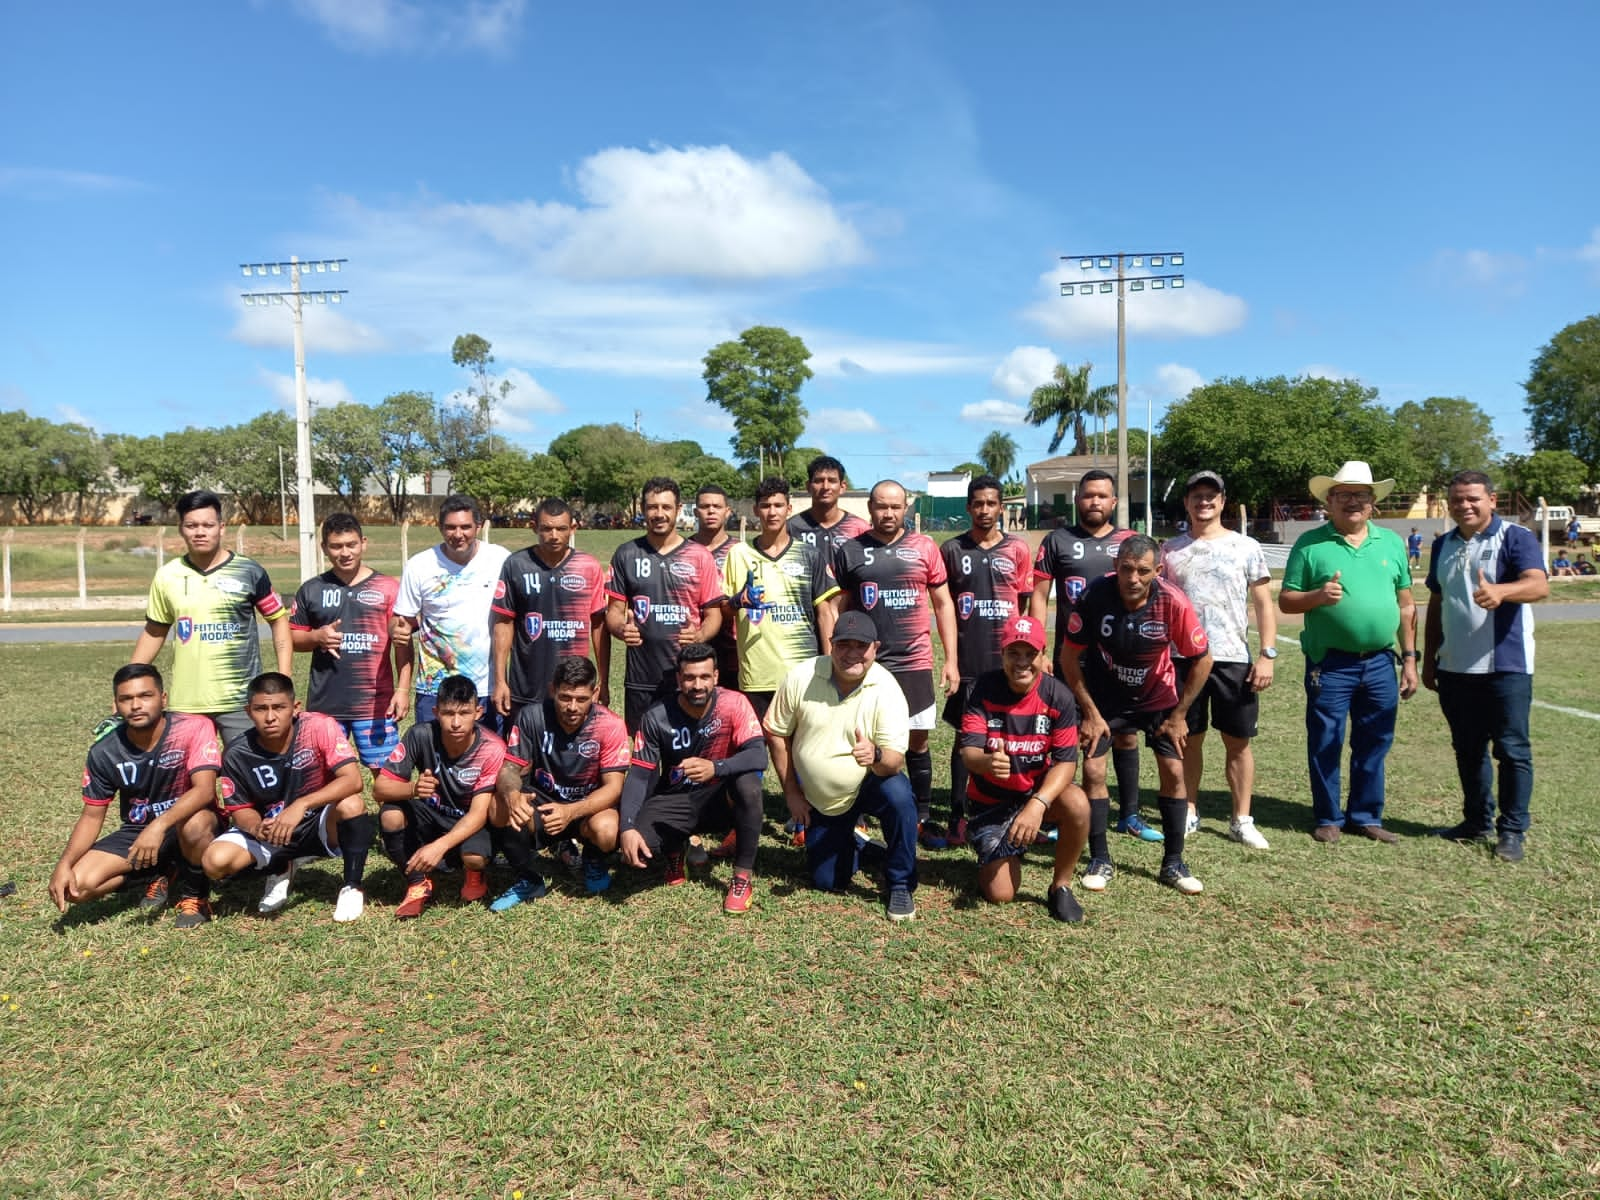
(165, 466)
(756, 380)
(1557, 475)
(970, 468)
(998, 452)
(347, 450)
(409, 429)
(246, 465)
(794, 470)
(608, 463)
(1268, 437)
(510, 479)
(1563, 390)
(43, 459)
(474, 354)
(1447, 434)
(1067, 400)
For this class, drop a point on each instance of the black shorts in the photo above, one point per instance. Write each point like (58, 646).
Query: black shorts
(918, 689)
(120, 842)
(956, 703)
(668, 818)
(1227, 702)
(428, 824)
(635, 701)
(760, 701)
(1137, 722)
(987, 827)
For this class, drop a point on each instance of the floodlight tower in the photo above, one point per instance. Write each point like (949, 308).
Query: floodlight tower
(295, 297)
(1122, 262)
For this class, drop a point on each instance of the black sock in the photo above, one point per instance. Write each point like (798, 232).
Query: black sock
(958, 787)
(394, 845)
(1174, 815)
(1126, 764)
(517, 846)
(192, 881)
(355, 839)
(1099, 818)
(747, 812)
(919, 766)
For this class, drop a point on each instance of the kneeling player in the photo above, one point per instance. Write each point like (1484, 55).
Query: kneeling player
(456, 762)
(565, 761)
(1019, 743)
(694, 752)
(292, 785)
(162, 769)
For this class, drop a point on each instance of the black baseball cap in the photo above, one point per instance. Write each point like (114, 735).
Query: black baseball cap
(1200, 477)
(854, 627)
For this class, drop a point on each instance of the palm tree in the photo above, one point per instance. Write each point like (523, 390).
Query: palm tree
(1067, 399)
(997, 453)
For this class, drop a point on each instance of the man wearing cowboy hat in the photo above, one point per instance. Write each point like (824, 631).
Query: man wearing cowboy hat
(1350, 579)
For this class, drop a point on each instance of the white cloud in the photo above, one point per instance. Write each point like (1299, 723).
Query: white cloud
(1195, 310)
(994, 412)
(47, 181)
(834, 354)
(1024, 369)
(75, 416)
(326, 331)
(527, 398)
(392, 25)
(1174, 381)
(1479, 269)
(321, 392)
(844, 420)
(1590, 252)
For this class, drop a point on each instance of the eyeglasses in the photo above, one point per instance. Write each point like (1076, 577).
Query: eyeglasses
(1350, 497)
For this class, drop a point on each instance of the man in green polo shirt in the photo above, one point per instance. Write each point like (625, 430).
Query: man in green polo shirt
(1350, 579)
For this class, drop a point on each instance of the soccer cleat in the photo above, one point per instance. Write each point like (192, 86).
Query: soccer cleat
(352, 902)
(739, 892)
(570, 854)
(1064, 906)
(596, 876)
(192, 912)
(696, 855)
(1244, 831)
(156, 894)
(1509, 847)
(958, 832)
(1176, 875)
(1099, 873)
(932, 836)
(1134, 826)
(796, 831)
(726, 847)
(673, 868)
(474, 886)
(416, 899)
(1191, 823)
(520, 892)
(275, 893)
(900, 906)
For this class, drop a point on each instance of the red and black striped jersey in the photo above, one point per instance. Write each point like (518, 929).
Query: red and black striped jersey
(664, 593)
(359, 683)
(469, 774)
(668, 735)
(890, 583)
(567, 766)
(148, 782)
(255, 777)
(551, 610)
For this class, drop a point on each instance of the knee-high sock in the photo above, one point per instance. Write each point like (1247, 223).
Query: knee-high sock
(1174, 815)
(517, 846)
(192, 881)
(395, 844)
(1126, 764)
(919, 766)
(1099, 819)
(746, 797)
(355, 840)
(958, 786)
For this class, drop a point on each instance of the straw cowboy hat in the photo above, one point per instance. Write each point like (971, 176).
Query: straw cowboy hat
(1357, 474)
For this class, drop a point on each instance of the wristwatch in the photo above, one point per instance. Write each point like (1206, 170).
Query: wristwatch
(1269, 652)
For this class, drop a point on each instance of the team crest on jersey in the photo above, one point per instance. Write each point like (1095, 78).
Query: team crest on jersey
(500, 590)
(869, 595)
(793, 569)
(712, 726)
(226, 788)
(641, 609)
(303, 758)
(1041, 724)
(1075, 587)
(907, 554)
(1074, 624)
(467, 775)
(234, 587)
(371, 597)
(185, 629)
(1154, 630)
(545, 780)
(171, 758)
(588, 748)
(398, 754)
(965, 603)
(574, 583)
(533, 625)
(680, 570)
(86, 777)
(1003, 566)
(1198, 637)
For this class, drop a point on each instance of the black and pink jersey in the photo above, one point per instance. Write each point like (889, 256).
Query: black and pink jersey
(1037, 731)
(359, 683)
(804, 527)
(1128, 659)
(255, 777)
(148, 782)
(567, 766)
(665, 592)
(988, 587)
(890, 583)
(726, 643)
(460, 779)
(552, 612)
(1072, 557)
(668, 735)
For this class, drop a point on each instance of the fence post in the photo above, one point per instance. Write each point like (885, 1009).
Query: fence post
(83, 580)
(405, 540)
(10, 533)
(239, 541)
(161, 547)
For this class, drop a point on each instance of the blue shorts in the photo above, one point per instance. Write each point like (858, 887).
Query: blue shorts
(374, 740)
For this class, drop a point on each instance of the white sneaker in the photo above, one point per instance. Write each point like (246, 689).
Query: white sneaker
(351, 904)
(1192, 824)
(276, 892)
(1243, 829)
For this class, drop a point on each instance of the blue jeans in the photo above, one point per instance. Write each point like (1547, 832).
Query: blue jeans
(1366, 693)
(831, 841)
(1485, 709)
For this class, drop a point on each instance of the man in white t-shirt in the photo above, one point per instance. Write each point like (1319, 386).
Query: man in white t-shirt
(445, 595)
(1225, 575)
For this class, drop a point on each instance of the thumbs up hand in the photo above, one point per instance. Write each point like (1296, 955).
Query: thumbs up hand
(863, 751)
(1486, 595)
(1333, 590)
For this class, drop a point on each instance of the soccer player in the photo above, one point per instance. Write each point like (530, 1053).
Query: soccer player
(991, 580)
(894, 575)
(1224, 575)
(1019, 737)
(550, 604)
(664, 593)
(565, 760)
(825, 525)
(445, 595)
(1127, 628)
(161, 767)
(693, 753)
(345, 618)
(1070, 558)
(456, 762)
(293, 788)
(211, 596)
(711, 531)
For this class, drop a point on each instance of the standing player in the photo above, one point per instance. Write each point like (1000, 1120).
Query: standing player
(664, 593)
(562, 778)
(345, 618)
(550, 604)
(1071, 558)
(293, 789)
(1224, 575)
(825, 525)
(211, 596)
(445, 594)
(162, 769)
(456, 762)
(893, 575)
(991, 581)
(693, 753)
(1127, 628)
(711, 531)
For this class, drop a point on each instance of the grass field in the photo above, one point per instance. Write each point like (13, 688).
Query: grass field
(1356, 1020)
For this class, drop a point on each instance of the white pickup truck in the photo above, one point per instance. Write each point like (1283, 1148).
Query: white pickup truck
(1560, 517)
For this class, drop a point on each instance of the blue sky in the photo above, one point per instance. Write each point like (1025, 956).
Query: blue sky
(1404, 194)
